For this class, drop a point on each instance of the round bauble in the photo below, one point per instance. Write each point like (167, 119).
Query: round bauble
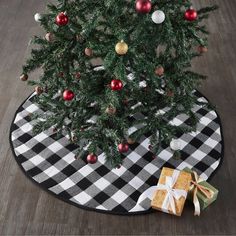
(116, 84)
(121, 48)
(130, 141)
(77, 75)
(62, 19)
(190, 15)
(123, 147)
(202, 49)
(111, 111)
(88, 52)
(38, 90)
(175, 145)
(158, 17)
(170, 93)
(61, 74)
(38, 17)
(92, 158)
(68, 95)
(24, 77)
(143, 6)
(49, 37)
(159, 71)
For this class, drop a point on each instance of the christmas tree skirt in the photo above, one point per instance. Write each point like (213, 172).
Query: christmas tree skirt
(50, 162)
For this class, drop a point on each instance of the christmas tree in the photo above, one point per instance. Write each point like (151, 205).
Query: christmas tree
(145, 50)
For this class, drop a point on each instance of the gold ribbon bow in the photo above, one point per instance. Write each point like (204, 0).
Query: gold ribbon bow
(195, 186)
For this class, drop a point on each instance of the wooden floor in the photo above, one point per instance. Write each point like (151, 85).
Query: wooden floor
(25, 209)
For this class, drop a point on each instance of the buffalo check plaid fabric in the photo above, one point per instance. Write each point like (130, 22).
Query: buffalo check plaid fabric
(50, 162)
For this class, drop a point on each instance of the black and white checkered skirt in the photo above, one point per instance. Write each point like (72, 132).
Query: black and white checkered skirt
(50, 162)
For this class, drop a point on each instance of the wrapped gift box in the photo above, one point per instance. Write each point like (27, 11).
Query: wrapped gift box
(171, 191)
(206, 194)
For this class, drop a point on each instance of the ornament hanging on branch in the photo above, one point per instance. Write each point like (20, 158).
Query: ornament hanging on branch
(62, 19)
(68, 95)
(92, 158)
(158, 17)
(38, 90)
(24, 77)
(202, 49)
(88, 52)
(190, 15)
(61, 74)
(175, 145)
(170, 93)
(130, 141)
(159, 71)
(38, 17)
(123, 147)
(116, 84)
(49, 37)
(111, 110)
(78, 75)
(121, 48)
(143, 6)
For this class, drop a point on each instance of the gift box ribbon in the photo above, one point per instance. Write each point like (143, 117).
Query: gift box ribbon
(170, 196)
(195, 187)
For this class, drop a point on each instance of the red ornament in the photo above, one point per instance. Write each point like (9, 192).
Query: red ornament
(78, 75)
(62, 19)
(68, 95)
(202, 49)
(61, 74)
(123, 147)
(116, 84)
(190, 15)
(143, 6)
(92, 158)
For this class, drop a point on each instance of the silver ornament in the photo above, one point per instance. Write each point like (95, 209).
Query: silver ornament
(38, 17)
(175, 145)
(158, 17)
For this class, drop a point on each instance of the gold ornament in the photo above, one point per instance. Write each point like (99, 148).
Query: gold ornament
(111, 111)
(38, 90)
(130, 141)
(24, 77)
(159, 71)
(121, 48)
(88, 52)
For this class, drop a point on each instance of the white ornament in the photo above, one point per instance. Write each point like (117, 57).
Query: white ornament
(158, 17)
(175, 145)
(49, 37)
(143, 84)
(38, 17)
